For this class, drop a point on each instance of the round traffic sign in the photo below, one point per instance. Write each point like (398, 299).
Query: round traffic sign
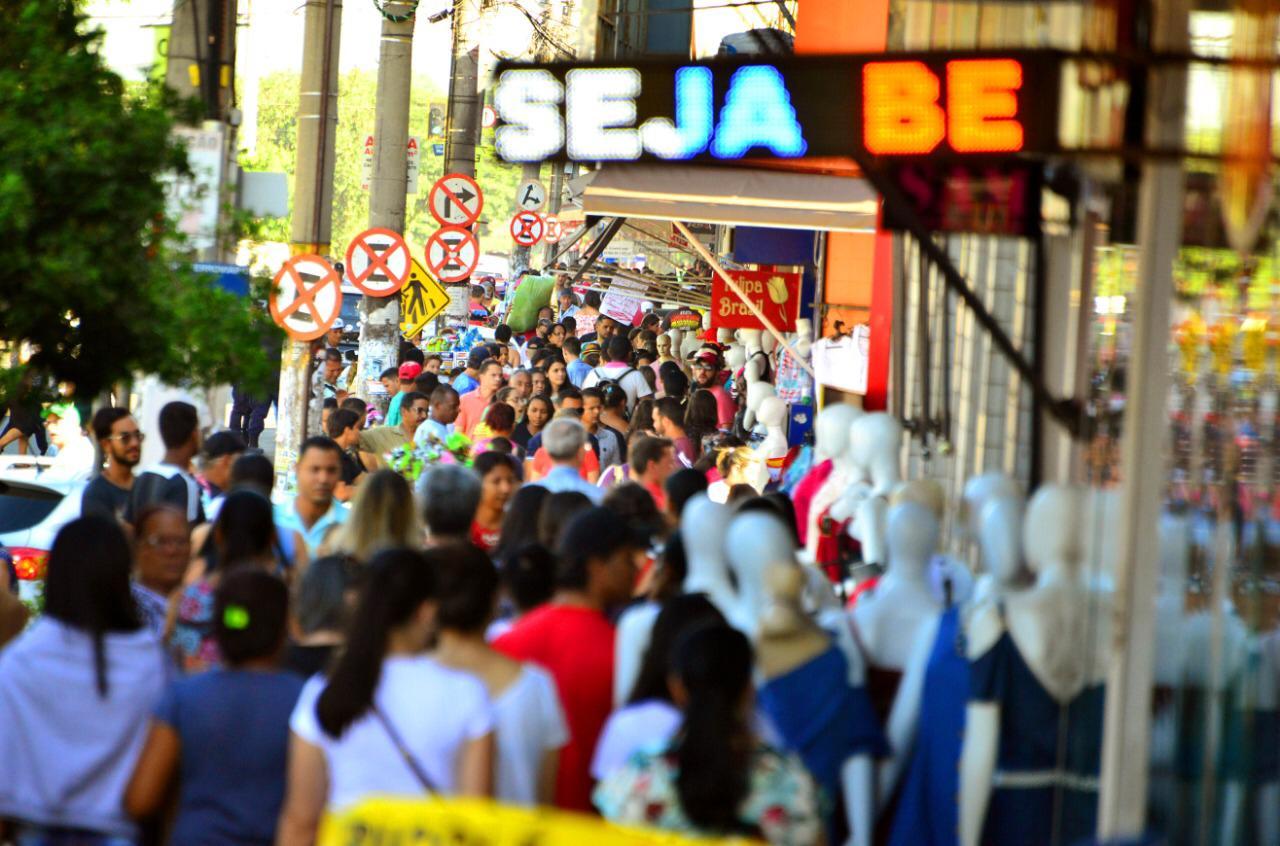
(452, 253)
(527, 228)
(378, 262)
(531, 195)
(555, 229)
(307, 297)
(455, 200)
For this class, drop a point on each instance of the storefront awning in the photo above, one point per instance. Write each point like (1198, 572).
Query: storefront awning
(735, 196)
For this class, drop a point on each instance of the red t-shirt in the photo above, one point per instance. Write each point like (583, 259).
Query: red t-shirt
(486, 539)
(575, 645)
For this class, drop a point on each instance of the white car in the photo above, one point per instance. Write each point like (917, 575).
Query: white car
(32, 512)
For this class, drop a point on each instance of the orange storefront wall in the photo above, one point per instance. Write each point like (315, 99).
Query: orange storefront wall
(859, 277)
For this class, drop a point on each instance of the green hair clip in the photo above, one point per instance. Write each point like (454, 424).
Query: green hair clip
(235, 617)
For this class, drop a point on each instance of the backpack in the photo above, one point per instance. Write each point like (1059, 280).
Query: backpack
(604, 381)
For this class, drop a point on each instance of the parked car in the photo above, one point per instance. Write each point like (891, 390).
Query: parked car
(31, 513)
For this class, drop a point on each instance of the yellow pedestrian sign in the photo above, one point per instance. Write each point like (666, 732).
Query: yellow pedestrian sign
(421, 299)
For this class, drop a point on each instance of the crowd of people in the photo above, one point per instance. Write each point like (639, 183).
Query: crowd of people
(215, 664)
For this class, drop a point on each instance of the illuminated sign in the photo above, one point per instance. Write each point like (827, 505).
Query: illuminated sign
(907, 105)
(988, 198)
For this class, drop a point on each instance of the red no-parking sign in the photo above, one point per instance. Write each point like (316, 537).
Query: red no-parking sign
(378, 262)
(453, 253)
(527, 228)
(455, 200)
(307, 297)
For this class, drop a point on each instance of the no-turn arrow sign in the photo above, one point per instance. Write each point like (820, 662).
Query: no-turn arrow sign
(453, 253)
(378, 262)
(456, 200)
(527, 228)
(531, 196)
(307, 297)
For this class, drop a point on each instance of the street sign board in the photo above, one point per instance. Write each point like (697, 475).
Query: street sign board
(531, 195)
(378, 262)
(452, 253)
(413, 151)
(421, 299)
(527, 228)
(455, 200)
(777, 295)
(306, 297)
(913, 105)
(624, 301)
(555, 229)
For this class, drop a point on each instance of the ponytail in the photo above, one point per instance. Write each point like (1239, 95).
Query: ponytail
(714, 747)
(400, 580)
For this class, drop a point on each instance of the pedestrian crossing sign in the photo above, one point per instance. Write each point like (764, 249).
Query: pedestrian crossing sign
(421, 299)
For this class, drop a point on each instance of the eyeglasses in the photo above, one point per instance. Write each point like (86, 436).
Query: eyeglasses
(171, 542)
(128, 437)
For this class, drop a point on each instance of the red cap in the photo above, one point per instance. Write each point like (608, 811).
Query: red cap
(410, 370)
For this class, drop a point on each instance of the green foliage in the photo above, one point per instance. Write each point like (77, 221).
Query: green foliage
(88, 258)
(277, 146)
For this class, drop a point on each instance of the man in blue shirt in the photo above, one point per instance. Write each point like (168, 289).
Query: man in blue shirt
(314, 511)
(469, 379)
(578, 369)
(565, 440)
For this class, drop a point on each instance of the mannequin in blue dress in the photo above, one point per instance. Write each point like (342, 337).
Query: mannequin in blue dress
(1033, 726)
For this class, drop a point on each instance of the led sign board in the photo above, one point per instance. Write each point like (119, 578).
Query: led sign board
(899, 106)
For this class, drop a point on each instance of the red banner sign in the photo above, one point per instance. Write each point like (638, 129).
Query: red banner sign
(776, 294)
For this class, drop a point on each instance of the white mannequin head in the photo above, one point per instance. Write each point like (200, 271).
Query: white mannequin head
(704, 550)
(1000, 536)
(768, 343)
(734, 357)
(689, 345)
(1052, 532)
(749, 338)
(676, 337)
(724, 336)
(804, 336)
(977, 491)
(831, 430)
(926, 492)
(912, 537)
(755, 540)
(772, 412)
(757, 392)
(875, 441)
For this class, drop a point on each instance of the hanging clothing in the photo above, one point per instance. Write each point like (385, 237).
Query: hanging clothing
(824, 720)
(928, 812)
(1049, 753)
(793, 382)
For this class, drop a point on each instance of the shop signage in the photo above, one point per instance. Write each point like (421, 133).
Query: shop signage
(993, 198)
(776, 294)
(911, 105)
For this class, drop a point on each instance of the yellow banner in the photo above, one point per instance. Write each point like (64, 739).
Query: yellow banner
(479, 822)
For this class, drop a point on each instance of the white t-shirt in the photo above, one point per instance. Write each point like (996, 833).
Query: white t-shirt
(633, 384)
(631, 729)
(530, 722)
(435, 710)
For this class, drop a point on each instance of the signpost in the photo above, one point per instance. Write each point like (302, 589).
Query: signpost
(421, 299)
(453, 253)
(527, 228)
(306, 297)
(455, 200)
(555, 229)
(775, 295)
(531, 195)
(378, 262)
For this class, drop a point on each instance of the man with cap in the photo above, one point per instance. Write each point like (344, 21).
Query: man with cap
(334, 336)
(469, 379)
(75, 460)
(408, 372)
(219, 452)
(331, 375)
(706, 376)
(573, 639)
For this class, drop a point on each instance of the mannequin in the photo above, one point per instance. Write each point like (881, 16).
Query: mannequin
(977, 491)
(804, 337)
(950, 580)
(704, 526)
(888, 621)
(753, 366)
(1034, 675)
(875, 443)
(832, 473)
(800, 667)
(773, 449)
(998, 531)
(756, 394)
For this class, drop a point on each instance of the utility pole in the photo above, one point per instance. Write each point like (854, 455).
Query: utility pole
(312, 221)
(558, 174)
(529, 172)
(380, 333)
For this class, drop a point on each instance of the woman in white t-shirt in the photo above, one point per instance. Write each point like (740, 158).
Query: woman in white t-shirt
(388, 719)
(529, 721)
(650, 716)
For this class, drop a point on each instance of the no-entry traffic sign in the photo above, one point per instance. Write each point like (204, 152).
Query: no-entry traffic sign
(378, 262)
(307, 297)
(421, 299)
(531, 195)
(555, 229)
(527, 228)
(453, 253)
(456, 200)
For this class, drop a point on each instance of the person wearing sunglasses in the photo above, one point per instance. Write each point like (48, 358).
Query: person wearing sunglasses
(120, 446)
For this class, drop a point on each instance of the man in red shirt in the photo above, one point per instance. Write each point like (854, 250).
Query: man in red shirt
(573, 639)
(706, 375)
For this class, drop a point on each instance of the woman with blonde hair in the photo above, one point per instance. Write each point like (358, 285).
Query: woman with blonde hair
(383, 516)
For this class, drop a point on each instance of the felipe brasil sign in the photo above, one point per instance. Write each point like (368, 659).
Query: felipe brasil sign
(899, 106)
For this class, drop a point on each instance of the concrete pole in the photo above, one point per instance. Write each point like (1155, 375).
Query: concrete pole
(312, 221)
(462, 132)
(380, 335)
(553, 205)
(1122, 801)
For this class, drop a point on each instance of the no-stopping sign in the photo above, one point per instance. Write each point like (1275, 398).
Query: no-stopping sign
(555, 229)
(527, 228)
(453, 253)
(378, 262)
(307, 297)
(456, 200)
